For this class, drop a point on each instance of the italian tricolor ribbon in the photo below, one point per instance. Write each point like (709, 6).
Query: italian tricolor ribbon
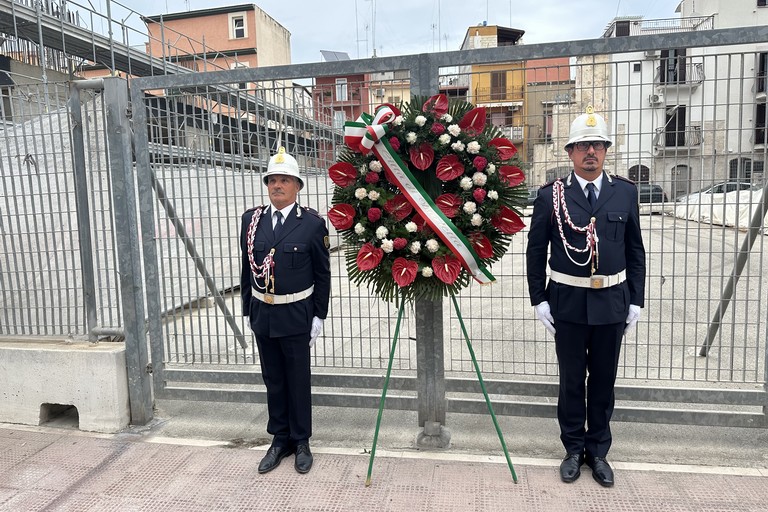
(366, 134)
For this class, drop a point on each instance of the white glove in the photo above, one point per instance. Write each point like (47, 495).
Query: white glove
(317, 326)
(545, 317)
(632, 317)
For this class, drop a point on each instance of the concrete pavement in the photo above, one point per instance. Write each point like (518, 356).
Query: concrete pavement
(203, 456)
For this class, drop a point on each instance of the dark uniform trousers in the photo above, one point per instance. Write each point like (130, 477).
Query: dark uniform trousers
(589, 323)
(282, 331)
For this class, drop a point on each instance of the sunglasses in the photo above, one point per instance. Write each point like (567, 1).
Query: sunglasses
(599, 145)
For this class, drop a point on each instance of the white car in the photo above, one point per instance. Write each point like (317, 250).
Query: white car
(718, 188)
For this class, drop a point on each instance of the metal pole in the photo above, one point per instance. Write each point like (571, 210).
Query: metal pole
(83, 212)
(119, 144)
(755, 225)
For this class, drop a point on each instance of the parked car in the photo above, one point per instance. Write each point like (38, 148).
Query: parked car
(651, 193)
(717, 188)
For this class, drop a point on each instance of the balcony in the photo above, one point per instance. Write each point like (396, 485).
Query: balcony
(761, 86)
(680, 75)
(498, 96)
(670, 141)
(643, 27)
(513, 133)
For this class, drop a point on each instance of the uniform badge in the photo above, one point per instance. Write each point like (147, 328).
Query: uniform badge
(327, 242)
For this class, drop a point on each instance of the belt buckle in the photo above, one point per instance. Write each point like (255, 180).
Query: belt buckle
(596, 282)
(269, 298)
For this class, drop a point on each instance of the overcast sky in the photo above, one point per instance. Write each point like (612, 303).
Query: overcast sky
(402, 27)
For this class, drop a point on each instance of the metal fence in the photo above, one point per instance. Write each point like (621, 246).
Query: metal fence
(200, 143)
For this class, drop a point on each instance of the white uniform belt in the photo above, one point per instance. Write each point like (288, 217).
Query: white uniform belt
(271, 298)
(595, 282)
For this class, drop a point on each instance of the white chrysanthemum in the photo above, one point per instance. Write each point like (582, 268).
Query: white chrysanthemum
(410, 138)
(359, 229)
(373, 195)
(387, 245)
(432, 245)
(457, 146)
(363, 170)
(398, 121)
(361, 193)
(375, 166)
(473, 147)
(493, 195)
(444, 139)
(381, 232)
(411, 227)
(420, 120)
(427, 272)
(479, 179)
(416, 247)
(477, 220)
(490, 169)
(454, 130)
(447, 118)
(470, 207)
(465, 183)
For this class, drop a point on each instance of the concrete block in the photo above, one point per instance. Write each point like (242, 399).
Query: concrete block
(91, 377)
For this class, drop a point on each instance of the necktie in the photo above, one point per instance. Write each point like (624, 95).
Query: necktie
(591, 195)
(278, 222)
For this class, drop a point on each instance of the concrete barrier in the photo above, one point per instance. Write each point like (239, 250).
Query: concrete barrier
(40, 375)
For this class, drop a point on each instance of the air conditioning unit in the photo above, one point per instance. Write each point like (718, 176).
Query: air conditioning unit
(656, 99)
(651, 54)
(379, 92)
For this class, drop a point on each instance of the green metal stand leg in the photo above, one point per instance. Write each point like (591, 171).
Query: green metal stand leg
(384, 391)
(482, 386)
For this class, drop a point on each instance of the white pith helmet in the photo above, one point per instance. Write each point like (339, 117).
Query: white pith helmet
(283, 163)
(588, 127)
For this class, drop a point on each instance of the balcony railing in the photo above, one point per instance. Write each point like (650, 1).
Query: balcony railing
(498, 94)
(641, 27)
(672, 140)
(681, 73)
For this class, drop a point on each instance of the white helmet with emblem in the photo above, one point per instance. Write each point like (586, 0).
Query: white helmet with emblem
(283, 163)
(589, 127)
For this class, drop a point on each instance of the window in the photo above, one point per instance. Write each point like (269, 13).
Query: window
(760, 124)
(762, 72)
(341, 89)
(636, 67)
(237, 27)
(498, 85)
(548, 120)
(338, 119)
(762, 3)
(622, 28)
(674, 129)
(673, 68)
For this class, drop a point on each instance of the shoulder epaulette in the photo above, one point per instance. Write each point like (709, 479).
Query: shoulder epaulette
(549, 184)
(252, 209)
(311, 210)
(622, 178)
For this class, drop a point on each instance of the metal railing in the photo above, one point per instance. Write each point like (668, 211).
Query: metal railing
(673, 140)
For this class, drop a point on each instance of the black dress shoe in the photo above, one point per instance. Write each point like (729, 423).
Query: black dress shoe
(601, 471)
(273, 457)
(303, 458)
(570, 468)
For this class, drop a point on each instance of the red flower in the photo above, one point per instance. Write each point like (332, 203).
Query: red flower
(437, 104)
(505, 147)
(399, 207)
(480, 162)
(449, 204)
(481, 245)
(449, 168)
(399, 243)
(372, 177)
(374, 214)
(437, 129)
(342, 216)
(395, 143)
(507, 221)
(422, 156)
(511, 175)
(479, 195)
(369, 257)
(447, 268)
(404, 271)
(342, 173)
(421, 224)
(473, 121)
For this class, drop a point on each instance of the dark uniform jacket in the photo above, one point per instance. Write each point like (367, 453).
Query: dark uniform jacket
(620, 248)
(301, 260)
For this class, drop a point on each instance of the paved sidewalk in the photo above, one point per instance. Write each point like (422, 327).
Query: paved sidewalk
(47, 468)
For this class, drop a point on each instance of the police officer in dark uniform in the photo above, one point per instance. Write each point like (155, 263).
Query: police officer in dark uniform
(590, 223)
(285, 286)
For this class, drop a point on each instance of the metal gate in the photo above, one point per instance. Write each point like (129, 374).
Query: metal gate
(202, 141)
